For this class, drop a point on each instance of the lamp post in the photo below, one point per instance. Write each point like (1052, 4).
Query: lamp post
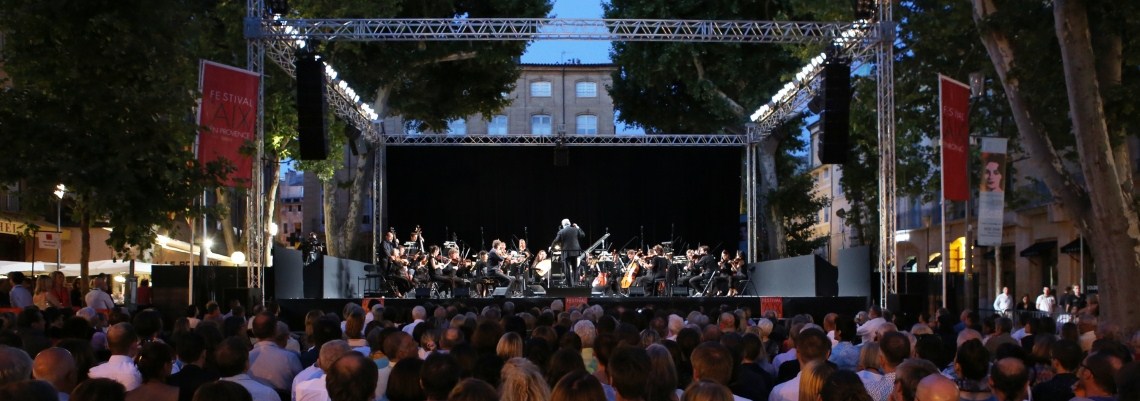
(60, 190)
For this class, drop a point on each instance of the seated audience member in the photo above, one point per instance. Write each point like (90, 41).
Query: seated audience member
(99, 389)
(222, 391)
(57, 367)
(1009, 379)
(473, 390)
(629, 373)
(314, 388)
(843, 385)
(232, 359)
(192, 352)
(352, 378)
(269, 362)
(123, 343)
(154, 362)
(706, 390)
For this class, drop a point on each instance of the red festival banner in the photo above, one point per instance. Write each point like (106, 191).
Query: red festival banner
(954, 102)
(228, 118)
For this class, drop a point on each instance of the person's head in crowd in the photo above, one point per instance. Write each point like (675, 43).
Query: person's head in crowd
(628, 369)
(1128, 382)
(232, 356)
(929, 347)
(713, 361)
(235, 326)
(1070, 332)
(908, 374)
(264, 326)
(488, 368)
(675, 324)
(473, 390)
(419, 313)
(439, 374)
(586, 332)
(972, 361)
(649, 337)
(539, 352)
(399, 346)
(663, 372)
(83, 354)
(1097, 375)
(331, 351)
(15, 365)
(726, 322)
(562, 362)
(1065, 356)
(283, 335)
(1010, 350)
(894, 347)
(30, 318)
(222, 390)
(148, 324)
(707, 390)
(352, 378)
(99, 390)
(29, 390)
(967, 335)
(451, 337)
(936, 387)
(57, 367)
(546, 333)
(844, 328)
(325, 329)
(711, 333)
(404, 381)
(578, 386)
(191, 348)
(77, 327)
(843, 385)
(354, 325)
(812, 344)
(1009, 379)
(486, 336)
(154, 361)
(522, 381)
(1111, 347)
(812, 377)
(510, 346)
(1042, 350)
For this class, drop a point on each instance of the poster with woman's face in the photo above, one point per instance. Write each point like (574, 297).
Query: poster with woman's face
(993, 172)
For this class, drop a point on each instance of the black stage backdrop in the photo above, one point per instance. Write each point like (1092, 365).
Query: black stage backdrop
(691, 194)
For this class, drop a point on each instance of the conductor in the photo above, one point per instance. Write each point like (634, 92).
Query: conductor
(569, 237)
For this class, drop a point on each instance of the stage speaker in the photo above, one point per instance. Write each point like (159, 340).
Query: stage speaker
(835, 118)
(536, 290)
(679, 291)
(461, 292)
(597, 293)
(499, 292)
(636, 291)
(311, 107)
(423, 292)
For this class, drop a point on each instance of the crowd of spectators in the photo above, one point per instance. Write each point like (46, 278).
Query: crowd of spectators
(454, 352)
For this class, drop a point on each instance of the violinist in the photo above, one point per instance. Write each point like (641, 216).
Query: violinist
(705, 269)
(657, 268)
(690, 270)
(435, 270)
(496, 261)
(400, 274)
(738, 276)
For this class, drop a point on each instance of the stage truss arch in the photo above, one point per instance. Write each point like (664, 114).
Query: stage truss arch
(864, 41)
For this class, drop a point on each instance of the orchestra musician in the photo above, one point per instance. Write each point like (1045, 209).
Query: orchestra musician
(538, 258)
(569, 238)
(435, 270)
(400, 274)
(417, 240)
(479, 269)
(723, 274)
(690, 270)
(658, 266)
(705, 269)
(387, 247)
(496, 261)
(738, 276)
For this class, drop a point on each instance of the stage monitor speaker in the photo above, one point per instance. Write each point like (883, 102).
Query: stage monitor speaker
(536, 290)
(835, 118)
(499, 292)
(637, 291)
(461, 292)
(679, 291)
(311, 107)
(423, 292)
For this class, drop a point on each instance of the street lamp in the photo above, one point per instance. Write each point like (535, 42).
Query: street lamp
(60, 190)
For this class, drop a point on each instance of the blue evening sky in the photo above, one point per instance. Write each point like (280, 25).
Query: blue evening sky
(557, 51)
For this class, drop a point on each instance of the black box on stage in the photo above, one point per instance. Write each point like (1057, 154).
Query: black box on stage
(500, 292)
(679, 291)
(536, 290)
(423, 292)
(461, 292)
(637, 291)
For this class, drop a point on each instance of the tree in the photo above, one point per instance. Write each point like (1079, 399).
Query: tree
(101, 98)
(1099, 69)
(428, 84)
(707, 88)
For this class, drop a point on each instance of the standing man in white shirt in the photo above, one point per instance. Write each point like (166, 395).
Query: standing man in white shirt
(1003, 303)
(97, 299)
(1046, 302)
(124, 345)
(868, 330)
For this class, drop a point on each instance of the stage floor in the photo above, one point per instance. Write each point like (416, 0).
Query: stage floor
(293, 310)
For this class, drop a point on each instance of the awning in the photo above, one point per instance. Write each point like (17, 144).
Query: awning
(1038, 249)
(910, 263)
(1073, 246)
(935, 263)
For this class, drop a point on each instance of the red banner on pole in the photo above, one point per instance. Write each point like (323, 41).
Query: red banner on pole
(954, 102)
(227, 117)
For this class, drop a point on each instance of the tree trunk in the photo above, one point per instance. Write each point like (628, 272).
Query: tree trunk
(224, 198)
(773, 219)
(270, 201)
(342, 224)
(1115, 241)
(84, 249)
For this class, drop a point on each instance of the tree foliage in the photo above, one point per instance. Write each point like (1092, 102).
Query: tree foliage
(101, 99)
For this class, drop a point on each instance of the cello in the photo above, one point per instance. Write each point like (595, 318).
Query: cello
(634, 269)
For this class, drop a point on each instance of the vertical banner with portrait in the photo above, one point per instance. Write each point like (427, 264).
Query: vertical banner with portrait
(991, 194)
(954, 122)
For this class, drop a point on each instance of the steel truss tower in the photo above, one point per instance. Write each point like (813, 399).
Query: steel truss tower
(279, 38)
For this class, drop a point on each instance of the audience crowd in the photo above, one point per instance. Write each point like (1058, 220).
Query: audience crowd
(453, 352)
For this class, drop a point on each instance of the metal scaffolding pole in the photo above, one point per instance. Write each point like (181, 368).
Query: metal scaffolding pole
(888, 267)
(255, 229)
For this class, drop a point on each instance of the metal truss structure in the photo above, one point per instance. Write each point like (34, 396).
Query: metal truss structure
(566, 140)
(279, 39)
(526, 29)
